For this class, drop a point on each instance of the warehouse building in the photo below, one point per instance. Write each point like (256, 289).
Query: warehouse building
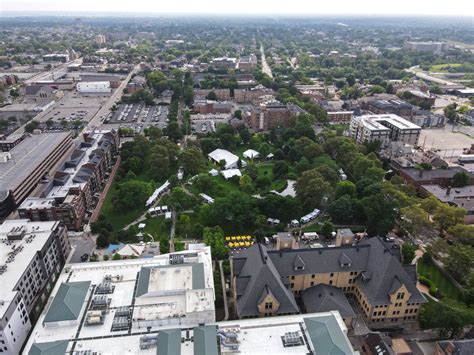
(94, 87)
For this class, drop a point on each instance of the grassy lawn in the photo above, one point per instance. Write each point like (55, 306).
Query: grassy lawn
(118, 220)
(157, 226)
(430, 271)
(443, 68)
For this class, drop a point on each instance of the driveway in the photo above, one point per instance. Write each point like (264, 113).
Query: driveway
(80, 246)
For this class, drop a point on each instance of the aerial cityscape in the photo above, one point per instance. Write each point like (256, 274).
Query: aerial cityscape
(188, 179)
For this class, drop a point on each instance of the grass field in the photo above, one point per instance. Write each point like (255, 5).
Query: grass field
(118, 220)
(443, 68)
(429, 270)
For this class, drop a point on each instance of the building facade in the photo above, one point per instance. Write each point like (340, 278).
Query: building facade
(33, 254)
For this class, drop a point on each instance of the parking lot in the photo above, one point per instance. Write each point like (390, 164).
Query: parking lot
(448, 143)
(139, 113)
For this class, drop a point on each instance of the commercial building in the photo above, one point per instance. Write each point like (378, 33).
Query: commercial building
(433, 47)
(269, 282)
(31, 257)
(384, 128)
(27, 163)
(397, 107)
(316, 333)
(71, 194)
(126, 299)
(207, 107)
(98, 87)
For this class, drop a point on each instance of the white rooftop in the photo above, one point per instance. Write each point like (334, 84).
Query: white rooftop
(227, 174)
(251, 154)
(222, 154)
(252, 336)
(16, 255)
(172, 297)
(376, 122)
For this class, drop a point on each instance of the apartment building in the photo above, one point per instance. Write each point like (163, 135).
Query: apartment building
(269, 282)
(253, 95)
(270, 115)
(221, 94)
(433, 47)
(224, 62)
(121, 299)
(70, 196)
(207, 107)
(32, 256)
(340, 116)
(397, 107)
(27, 163)
(247, 63)
(384, 128)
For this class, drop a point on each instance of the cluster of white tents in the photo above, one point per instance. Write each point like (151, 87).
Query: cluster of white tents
(306, 218)
(158, 210)
(158, 192)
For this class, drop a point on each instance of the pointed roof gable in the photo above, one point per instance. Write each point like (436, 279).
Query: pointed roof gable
(344, 260)
(68, 302)
(298, 263)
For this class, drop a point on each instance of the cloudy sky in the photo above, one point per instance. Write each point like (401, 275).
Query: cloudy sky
(316, 7)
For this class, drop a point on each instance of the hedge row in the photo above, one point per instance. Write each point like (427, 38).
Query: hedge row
(425, 281)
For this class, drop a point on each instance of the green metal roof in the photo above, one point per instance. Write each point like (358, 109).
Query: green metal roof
(198, 279)
(205, 340)
(51, 348)
(68, 302)
(327, 337)
(169, 342)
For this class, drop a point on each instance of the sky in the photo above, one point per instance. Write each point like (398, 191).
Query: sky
(257, 7)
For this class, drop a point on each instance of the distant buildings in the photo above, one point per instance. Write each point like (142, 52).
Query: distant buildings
(253, 95)
(99, 87)
(268, 283)
(214, 107)
(221, 94)
(384, 128)
(26, 164)
(340, 116)
(271, 114)
(454, 347)
(433, 47)
(247, 63)
(56, 57)
(70, 195)
(441, 177)
(223, 62)
(124, 300)
(462, 197)
(31, 257)
(100, 40)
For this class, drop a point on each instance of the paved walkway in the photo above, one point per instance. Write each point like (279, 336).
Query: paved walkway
(224, 294)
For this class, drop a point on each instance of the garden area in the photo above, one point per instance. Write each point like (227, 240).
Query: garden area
(427, 269)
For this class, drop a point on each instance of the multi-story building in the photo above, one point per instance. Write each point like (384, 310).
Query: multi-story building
(125, 298)
(434, 47)
(253, 95)
(31, 257)
(100, 39)
(69, 197)
(207, 106)
(340, 116)
(221, 94)
(269, 282)
(384, 128)
(56, 57)
(223, 62)
(247, 63)
(27, 164)
(441, 177)
(397, 107)
(270, 115)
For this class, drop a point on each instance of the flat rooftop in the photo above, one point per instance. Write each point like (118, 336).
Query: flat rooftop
(319, 333)
(377, 122)
(173, 298)
(16, 255)
(27, 156)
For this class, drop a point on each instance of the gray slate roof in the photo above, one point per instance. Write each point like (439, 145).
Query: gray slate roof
(326, 336)
(258, 276)
(68, 302)
(169, 342)
(50, 348)
(258, 270)
(325, 298)
(205, 340)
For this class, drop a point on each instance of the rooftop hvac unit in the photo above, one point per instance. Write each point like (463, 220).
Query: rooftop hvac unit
(291, 339)
(148, 341)
(104, 288)
(120, 323)
(122, 312)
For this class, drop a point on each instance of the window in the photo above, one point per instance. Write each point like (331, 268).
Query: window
(330, 282)
(331, 274)
(292, 285)
(312, 283)
(400, 295)
(312, 276)
(268, 305)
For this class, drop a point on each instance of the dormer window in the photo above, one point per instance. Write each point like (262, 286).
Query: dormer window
(345, 261)
(298, 263)
(299, 268)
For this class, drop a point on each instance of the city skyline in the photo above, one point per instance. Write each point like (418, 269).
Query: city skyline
(209, 7)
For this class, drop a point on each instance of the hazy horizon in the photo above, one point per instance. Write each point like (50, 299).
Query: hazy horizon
(457, 8)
